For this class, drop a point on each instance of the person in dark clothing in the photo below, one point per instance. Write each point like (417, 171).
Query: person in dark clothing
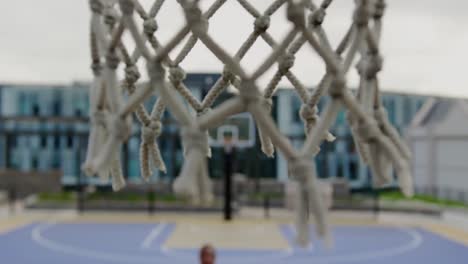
(207, 254)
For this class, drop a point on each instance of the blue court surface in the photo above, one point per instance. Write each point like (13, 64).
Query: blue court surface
(74, 243)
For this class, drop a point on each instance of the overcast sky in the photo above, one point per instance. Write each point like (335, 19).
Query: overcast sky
(425, 42)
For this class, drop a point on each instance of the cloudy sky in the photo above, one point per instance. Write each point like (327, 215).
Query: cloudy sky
(425, 42)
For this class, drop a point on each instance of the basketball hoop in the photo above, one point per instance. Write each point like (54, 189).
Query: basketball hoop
(378, 142)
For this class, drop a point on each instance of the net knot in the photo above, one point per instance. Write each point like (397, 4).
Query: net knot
(96, 6)
(370, 66)
(317, 17)
(249, 93)
(195, 18)
(368, 131)
(267, 104)
(96, 67)
(176, 74)
(299, 169)
(228, 76)
(380, 6)
(204, 111)
(286, 63)
(151, 131)
(338, 86)
(261, 24)
(110, 16)
(308, 113)
(296, 14)
(361, 14)
(194, 139)
(132, 74)
(120, 128)
(112, 60)
(150, 26)
(332, 69)
(325, 4)
(126, 6)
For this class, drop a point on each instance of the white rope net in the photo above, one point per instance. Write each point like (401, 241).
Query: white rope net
(114, 101)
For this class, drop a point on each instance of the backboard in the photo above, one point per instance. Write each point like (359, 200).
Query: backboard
(241, 127)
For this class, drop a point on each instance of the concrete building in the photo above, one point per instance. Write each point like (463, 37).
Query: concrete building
(339, 159)
(45, 127)
(439, 140)
(41, 127)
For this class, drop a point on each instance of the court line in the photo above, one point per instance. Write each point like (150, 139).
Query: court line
(190, 230)
(293, 244)
(13, 225)
(447, 232)
(17, 229)
(415, 242)
(153, 234)
(281, 254)
(38, 237)
(17, 222)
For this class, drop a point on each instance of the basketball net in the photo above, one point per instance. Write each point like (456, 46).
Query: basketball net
(113, 102)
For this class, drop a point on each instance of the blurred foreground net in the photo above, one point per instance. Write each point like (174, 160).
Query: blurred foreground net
(113, 102)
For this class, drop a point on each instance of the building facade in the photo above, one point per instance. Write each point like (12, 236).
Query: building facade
(46, 127)
(339, 159)
(438, 138)
(42, 127)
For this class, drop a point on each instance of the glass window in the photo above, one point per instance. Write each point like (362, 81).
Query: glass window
(341, 118)
(328, 147)
(43, 141)
(350, 144)
(408, 114)
(13, 141)
(22, 104)
(391, 111)
(353, 169)
(321, 165)
(339, 168)
(35, 110)
(56, 142)
(420, 104)
(69, 140)
(56, 108)
(56, 161)
(13, 162)
(34, 163)
(296, 107)
(133, 168)
(321, 104)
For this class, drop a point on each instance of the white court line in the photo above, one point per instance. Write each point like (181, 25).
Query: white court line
(155, 232)
(415, 241)
(38, 237)
(293, 247)
(263, 258)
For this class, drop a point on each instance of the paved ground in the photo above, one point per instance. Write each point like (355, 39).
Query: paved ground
(129, 238)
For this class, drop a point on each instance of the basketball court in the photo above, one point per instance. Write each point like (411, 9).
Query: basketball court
(141, 50)
(127, 238)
